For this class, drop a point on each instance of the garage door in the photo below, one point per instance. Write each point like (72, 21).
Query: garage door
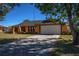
(51, 29)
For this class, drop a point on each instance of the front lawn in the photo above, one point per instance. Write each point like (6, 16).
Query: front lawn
(66, 37)
(6, 38)
(9, 36)
(64, 46)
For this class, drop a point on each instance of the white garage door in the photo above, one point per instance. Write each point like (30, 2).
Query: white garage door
(51, 29)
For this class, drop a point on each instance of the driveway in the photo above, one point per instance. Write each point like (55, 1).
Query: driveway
(42, 37)
(36, 45)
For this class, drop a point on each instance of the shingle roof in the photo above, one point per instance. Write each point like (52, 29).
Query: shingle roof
(2, 26)
(33, 22)
(30, 23)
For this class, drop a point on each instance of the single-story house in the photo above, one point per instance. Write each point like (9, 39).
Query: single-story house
(39, 27)
(2, 28)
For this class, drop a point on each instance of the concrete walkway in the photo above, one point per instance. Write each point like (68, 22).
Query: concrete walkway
(36, 45)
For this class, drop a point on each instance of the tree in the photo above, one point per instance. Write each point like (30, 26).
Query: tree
(5, 8)
(67, 11)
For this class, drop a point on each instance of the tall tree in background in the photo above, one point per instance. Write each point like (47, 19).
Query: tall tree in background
(67, 11)
(5, 8)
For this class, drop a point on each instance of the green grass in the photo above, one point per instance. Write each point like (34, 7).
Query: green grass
(9, 36)
(66, 37)
(6, 38)
(65, 47)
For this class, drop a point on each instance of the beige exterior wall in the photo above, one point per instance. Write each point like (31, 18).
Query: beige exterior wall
(26, 27)
(37, 29)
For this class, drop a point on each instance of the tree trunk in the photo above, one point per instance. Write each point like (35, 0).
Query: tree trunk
(75, 35)
(74, 32)
(76, 38)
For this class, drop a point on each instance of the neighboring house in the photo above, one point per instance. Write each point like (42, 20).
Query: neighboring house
(39, 27)
(1, 29)
(4, 29)
(7, 30)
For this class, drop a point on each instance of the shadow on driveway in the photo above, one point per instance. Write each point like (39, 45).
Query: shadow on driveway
(28, 47)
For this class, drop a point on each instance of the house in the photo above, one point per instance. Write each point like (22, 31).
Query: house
(4, 29)
(39, 27)
(1, 28)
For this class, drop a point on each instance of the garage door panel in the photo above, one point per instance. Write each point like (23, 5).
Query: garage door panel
(51, 29)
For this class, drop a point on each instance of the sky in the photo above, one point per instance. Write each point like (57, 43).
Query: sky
(21, 13)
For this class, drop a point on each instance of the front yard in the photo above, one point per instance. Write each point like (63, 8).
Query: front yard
(65, 47)
(66, 37)
(6, 38)
(14, 36)
(62, 47)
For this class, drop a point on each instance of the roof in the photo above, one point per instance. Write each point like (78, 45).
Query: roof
(30, 23)
(46, 21)
(2, 26)
(33, 22)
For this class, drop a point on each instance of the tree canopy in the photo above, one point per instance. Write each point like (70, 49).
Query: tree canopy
(5, 8)
(59, 10)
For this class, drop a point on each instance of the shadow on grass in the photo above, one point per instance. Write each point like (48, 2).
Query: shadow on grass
(65, 48)
(4, 41)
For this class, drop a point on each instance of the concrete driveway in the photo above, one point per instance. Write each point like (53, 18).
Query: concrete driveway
(36, 45)
(42, 37)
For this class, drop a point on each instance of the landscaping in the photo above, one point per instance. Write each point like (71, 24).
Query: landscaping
(9, 36)
(6, 38)
(65, 47)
